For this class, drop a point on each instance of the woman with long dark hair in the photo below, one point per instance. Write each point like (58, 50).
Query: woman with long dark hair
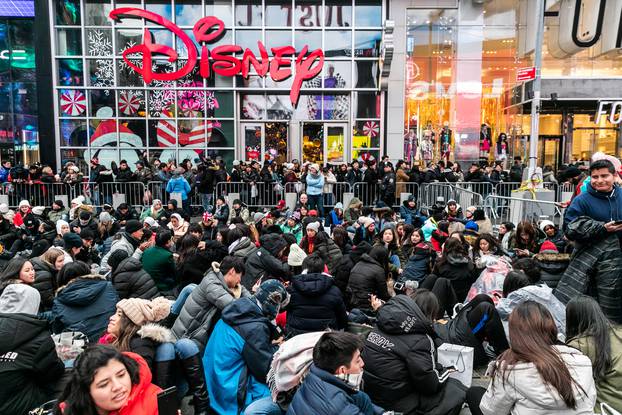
(369, 276)
(524, 242)
(19, 270)
(486, 246)
(105, 381)
(536, 375)
(456, 266)
(589, 331)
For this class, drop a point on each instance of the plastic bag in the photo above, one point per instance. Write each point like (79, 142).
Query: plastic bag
(69, 344)
(491, 280)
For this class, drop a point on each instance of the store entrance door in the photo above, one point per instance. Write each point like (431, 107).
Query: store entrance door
(265, 141)
(550, 150)
(324, 143)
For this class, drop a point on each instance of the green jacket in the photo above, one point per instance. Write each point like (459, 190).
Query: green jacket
(160, 264)
(607, 389)
(296, 231)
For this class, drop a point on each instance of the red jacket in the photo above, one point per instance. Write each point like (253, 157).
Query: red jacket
(143, 398)
(18, 219)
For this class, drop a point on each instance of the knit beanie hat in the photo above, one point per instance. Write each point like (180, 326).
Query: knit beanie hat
(4, 208)
(314, 226)
(133, 225)
(105, 217)
(24, 203)
(20, 298)
(296, 256)
(72, 240)
(365, 221)
(272, 298)
(548, 246)
(141, 312)
(38, 210)
(471, 226)
(151, 222)
(339, 205)
(545, 223)
(59, 203)
(60, 224)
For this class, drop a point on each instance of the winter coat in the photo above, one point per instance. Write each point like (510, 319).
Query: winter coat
(367, 277)
(354, 176)
(221, 214)
(159, 263)
(244, 248)
(608, 388)
(401, 368)
(387, 186)
(45, 282)
(594, 266)
(149, 212)
(238, 356)
(242, 213)
(29, 363)
(146, 341)
(412, 216)
(323, 393)
(460, 271)
(599, 206)
(315, 184)
(315, 304)
(418, 265)
(8, 233)
(552, 267)
(125, 242)
(85, 304)
(178, 184)
(91, 225)
(402, 178)
(121, 217)
(264, 263)
(132, 281)
(329, 251)
(204, 305)
(180, 231)
(352, 214)
(56, 215)
(296, 231)
(524, 392)
(341, 275)
(195, 264)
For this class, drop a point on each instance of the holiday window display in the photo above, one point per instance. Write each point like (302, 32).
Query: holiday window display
(410, 146)
(445, 139)
(485, 142)
(502, 148)
(426, 145)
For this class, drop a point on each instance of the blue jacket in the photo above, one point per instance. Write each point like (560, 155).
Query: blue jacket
(238, 356)
(412, 216)
(315, 184)
(4, 174)
(323, 393)
(334, 219)
(178, 185)
(603, 207)
(85, 304)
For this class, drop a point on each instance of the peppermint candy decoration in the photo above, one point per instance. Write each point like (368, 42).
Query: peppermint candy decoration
(129, 102)
(73, 102)
(371, 129)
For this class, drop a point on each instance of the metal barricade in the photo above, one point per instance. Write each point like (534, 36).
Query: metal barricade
(114, 193)
(259, 195)
(157, 190)
(405, 187)
(368, 194)
(511, 209)
(37, 194)
(429, 193)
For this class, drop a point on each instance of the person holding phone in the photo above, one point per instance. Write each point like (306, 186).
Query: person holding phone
(592, 222)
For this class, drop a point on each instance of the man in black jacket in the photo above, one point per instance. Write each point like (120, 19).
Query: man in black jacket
(29, 366)
(387, 186)
(267, 262)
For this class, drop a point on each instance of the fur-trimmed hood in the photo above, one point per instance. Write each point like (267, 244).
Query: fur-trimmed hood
(552, 257)
(156, 333)
(83, 277)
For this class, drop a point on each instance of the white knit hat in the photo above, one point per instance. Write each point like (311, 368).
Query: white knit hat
(38, 210)
(24, 203)
(314, 226)
(296, 256)
(4, 208)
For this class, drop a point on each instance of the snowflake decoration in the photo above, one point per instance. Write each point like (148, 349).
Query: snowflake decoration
(104, 75)
(99, 43)
(162, 97)
(122, 64)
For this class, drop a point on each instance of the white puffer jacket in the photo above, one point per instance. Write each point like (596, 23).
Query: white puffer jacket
(524, 392)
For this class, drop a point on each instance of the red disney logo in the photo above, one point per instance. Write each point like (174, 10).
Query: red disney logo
(206, 30)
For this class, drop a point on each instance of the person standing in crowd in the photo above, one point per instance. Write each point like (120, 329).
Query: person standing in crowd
(30, 368)
(315, 187)
(333, 384)
(593, 221)
(179, 184)
(240, 349)
(536, 375)
(106, 381)
(388, 185)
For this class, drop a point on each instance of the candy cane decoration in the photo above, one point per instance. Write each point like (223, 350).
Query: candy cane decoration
(73, 102)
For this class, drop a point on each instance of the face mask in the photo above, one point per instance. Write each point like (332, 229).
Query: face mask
(84, 222)
(352, 379)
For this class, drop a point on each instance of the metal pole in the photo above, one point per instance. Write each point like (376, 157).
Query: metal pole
(535, 103)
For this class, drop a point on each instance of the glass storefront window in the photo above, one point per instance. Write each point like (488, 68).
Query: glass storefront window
(275, 39)
(248, 39)
(337, 43)
(248, 13)
(337, 75)
(70, 72)
(337, 13)
(97, 12)
(68, 13)
(161, 7)
(221, 9)
(73, 133)
(68, 42)
(308, 13)
(366, 134)
(368, 13)
(311, 38)
(367, 43)
(278, 13)
(187, 12)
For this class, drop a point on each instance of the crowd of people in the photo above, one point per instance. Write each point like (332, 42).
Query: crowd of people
(306, 310)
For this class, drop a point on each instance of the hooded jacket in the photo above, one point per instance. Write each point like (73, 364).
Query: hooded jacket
(401, 368)
(29, 363)
(315, 305)
(341, 276)
(45, 282)
(264, 263)
(85, 304)
(132, 281)
(412, 216)
(329, 251)
(602, 207)
(238, 356)
(200, 311)
(123, 241)
(460, 271)
(243, 248)
(524, 392)
(323, 393)
(178, 184)
(419, 264)
(159, 263)
(552, 267)
(367, 277)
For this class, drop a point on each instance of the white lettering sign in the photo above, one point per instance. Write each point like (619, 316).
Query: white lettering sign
(610, 109)
(17, 54)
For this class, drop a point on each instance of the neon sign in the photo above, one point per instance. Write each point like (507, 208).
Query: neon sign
(221, 59)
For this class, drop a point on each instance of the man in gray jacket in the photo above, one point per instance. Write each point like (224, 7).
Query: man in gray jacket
(220, 286)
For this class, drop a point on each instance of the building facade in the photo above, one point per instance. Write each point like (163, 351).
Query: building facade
(106, 109)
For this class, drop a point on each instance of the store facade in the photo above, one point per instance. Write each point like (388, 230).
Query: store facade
(19, 128)
(219, 96)
(457, 62)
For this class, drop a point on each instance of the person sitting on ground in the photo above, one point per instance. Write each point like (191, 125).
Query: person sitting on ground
(268, 262)
(292, 225)
(524, 243)
(318, 241)
(30, 367)
(333, 384)
(46, 268)
(353, 211)
(410, 214)
(83, 302)
(159, 263)
(124, 213)
(195, 257)
(220, 286)
(365, 230)
(342, 273)
(58, 212)
(106, 381)
(536, 375)
(483, 222)
(240, 349)
(130, 241)
(401, 369)
(456, 266)
(589, 331)
(554, 235)
(506, 233)
(453, 211)
(221, 210)
(239, 210)
(129, 278)
(423, 257)
(19, 270)
(179, 226)
(238, 242)
(552, 263)
(316, 303)
(486, 248)
(369, 276)
(155, 211)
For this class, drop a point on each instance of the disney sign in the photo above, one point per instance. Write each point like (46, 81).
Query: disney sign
(223, 61)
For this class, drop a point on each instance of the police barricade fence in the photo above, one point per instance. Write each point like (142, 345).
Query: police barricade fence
(135, 194)
(512, 209)
(464, 193)
(259, 195)
(37, 194)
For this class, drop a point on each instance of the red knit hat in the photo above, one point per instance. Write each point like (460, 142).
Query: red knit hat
(548, 246)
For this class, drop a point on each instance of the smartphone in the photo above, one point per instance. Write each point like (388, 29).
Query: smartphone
(167, 402)
(617, 222)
